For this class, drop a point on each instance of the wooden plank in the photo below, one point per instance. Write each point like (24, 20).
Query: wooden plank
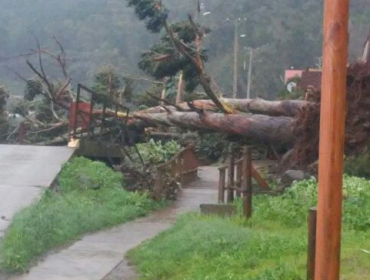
(333, 108)
(258, 178)
(231, 171)
(239, 175)
(221, 186)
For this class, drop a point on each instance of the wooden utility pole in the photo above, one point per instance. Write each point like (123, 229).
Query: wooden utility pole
(250, 74)
(236, 54)
(333, 111)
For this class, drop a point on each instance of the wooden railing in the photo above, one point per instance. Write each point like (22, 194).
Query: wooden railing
(183, 168)
(239, 174)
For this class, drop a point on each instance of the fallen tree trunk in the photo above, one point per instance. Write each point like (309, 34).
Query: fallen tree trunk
(288, 108)
(266, 129)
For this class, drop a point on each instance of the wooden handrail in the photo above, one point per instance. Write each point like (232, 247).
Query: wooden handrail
(175, 157)
(255, 175)
(184, 168)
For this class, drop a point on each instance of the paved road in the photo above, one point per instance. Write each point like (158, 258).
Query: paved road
(100, 256)
(25, 171)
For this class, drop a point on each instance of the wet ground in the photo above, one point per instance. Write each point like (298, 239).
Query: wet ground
(100, 256)
(25, 171)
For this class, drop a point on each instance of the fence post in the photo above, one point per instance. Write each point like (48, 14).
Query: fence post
(247, 182)
(221, 186)
(239, 175)
(22, 132)
(231, 169)
(158, 185)
(311, 252)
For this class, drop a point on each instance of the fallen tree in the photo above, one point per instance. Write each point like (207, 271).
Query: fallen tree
(266, 129)
(291, 123)
(287, 108)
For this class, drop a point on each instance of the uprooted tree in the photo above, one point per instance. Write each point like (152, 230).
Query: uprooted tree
(293, 124)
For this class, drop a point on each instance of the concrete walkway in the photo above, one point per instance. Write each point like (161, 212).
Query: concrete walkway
(25, 171)
(100, 256)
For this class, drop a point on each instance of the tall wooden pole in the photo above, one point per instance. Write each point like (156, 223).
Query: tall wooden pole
(236, 54)
(333, 111)
(250, 74)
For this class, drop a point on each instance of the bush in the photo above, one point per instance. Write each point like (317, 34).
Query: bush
(291, 208)
(91, 198)
(212, 146)
(358, 165)
(157, 152)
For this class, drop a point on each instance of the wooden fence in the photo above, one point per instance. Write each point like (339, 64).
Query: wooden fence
(236, 180)
(183, 168)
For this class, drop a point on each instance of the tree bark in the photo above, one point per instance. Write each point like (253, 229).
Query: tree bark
(287, 108)
(273, 130)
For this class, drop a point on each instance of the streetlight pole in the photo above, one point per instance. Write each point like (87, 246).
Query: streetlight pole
(250, 74)
(236, 53)
(332, 125)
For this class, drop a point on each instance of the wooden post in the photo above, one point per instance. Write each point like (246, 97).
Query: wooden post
(247, 182)
(333, 111)
(230, 186)
(239, 175)
(311, 248)
(21, 133)
(221, 186)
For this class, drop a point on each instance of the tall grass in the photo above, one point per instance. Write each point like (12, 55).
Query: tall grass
(270, 246)
(91, 197)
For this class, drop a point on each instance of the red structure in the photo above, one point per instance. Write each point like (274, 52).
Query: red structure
(308, 77)
(81, 119)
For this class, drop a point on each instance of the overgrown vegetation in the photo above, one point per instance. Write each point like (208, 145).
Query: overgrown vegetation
(358, 165)
(140, 176)
(91, 197)
(272, 245)
(154, 152)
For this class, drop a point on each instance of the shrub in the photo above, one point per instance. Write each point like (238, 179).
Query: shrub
(358, 165)
(212, 146)
(157, 152)
(291, 208)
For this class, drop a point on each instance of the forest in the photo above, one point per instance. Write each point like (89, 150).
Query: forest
(283, 34)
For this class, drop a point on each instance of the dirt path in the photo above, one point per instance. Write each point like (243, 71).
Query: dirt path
(100, 256)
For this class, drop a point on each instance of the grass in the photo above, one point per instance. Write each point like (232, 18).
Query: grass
(91, 198)
(271, 246)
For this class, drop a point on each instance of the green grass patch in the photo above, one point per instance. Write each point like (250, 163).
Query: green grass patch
(270, 246)
(91, 198)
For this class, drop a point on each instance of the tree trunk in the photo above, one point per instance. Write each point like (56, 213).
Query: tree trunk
(273, 130)
(287, 108)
